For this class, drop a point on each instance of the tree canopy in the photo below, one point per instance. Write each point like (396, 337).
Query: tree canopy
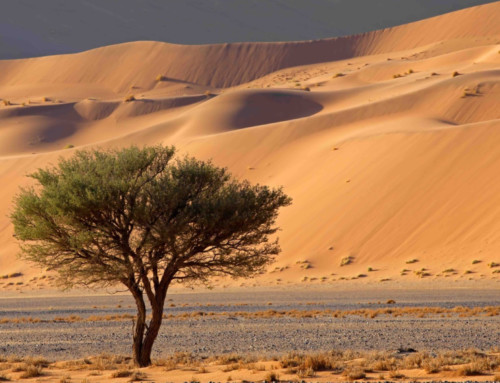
(142, 218)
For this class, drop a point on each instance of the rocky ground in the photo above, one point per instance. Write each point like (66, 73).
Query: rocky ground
(235, 334)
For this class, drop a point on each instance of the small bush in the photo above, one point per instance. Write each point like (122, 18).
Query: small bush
(306, 373)
(354, 374)
(31, 371)
(7, 102)
(121, 374)
(129, 98)
(476, 261)
(470, 370)
(137, 376)
(396, 375)
(346, 261)
(414, 260)
(272, 377)
(455, 74)
(160, 78)
(432, 366)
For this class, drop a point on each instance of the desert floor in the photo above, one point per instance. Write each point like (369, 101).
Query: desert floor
(206, 326)
(256, 323)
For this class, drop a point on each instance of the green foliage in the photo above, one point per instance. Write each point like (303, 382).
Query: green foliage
(135, 215)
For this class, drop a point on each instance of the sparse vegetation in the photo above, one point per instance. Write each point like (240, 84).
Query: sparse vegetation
(422, 273)
(121, 374)
(354, 374)
(272, 377)
(129, 98)
(31, 371)
(455, 74)
(346, 261)
(410, 261)
(353, 365)
(160, 78)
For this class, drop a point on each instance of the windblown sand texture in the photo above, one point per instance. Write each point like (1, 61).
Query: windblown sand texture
(386, 141)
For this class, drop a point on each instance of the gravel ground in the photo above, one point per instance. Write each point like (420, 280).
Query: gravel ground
(271, 336)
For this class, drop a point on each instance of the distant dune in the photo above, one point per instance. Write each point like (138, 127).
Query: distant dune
(31, 28)
(387, 141)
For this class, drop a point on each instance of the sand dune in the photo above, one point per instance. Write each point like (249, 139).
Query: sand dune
(387, 141)
(29, 28)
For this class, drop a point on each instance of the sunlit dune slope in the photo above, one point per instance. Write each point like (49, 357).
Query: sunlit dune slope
(387, 141)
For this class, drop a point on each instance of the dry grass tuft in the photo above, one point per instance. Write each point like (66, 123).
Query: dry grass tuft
(137, 376)
(121, 374)
(354, 374)
(31, 371)
(346, 261)
(272, 377)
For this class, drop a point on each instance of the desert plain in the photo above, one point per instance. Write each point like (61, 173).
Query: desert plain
(385, 140)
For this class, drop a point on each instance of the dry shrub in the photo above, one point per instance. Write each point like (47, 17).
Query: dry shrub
(396, 375)
(231, 367)
(355, 373)
(108, 362)
(306, 373)
(183, 359)
(319, 362)
(137, 376)
(470, 370)
(272, 377)
(121, 374)
(432, 366)
(229, 359)
(31, 371)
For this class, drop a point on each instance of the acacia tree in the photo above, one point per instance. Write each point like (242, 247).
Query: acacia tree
(142, 218)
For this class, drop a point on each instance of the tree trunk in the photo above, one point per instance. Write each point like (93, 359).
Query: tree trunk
(151, 334)
(139, 328)
(145, 336)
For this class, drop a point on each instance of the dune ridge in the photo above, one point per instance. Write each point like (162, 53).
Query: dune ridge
(387, 141)
(226, 65)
